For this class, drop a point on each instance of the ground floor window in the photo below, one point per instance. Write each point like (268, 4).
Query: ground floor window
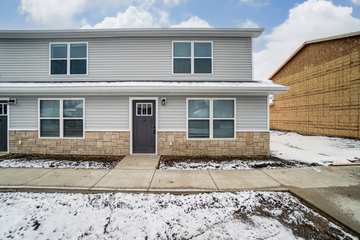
(61, 118)
(211, 118)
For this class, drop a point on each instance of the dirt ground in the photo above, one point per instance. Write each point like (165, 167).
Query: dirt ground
(106, 161)
(167, 162)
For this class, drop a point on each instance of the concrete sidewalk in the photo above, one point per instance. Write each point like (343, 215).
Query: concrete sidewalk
(322, 187)
(180, 180)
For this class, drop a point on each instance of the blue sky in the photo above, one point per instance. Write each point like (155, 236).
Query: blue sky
(218, 13)
(287, 23)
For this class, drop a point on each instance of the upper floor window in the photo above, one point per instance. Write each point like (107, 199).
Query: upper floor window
(68, 58)
(192, 57)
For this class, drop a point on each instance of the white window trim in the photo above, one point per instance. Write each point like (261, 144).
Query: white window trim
(61, 118)
(68, 58)
(192, 57)
(2, 112)
(146, 110)
(211, 118)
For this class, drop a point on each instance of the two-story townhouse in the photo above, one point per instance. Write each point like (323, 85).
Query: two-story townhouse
(127, 91)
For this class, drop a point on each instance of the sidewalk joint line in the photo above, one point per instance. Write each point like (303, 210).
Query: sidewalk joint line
(281, 184)
(213, 180)
(38, 177)
(92, 186)
(151, 180)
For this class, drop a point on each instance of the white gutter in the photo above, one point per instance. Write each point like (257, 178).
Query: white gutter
(8, 89)
(132, 32)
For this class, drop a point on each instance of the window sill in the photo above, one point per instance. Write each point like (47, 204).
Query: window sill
(207, 139)
(69, 75)
(60, 138)
(194, 74)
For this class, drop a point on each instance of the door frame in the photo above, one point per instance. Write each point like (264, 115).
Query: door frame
(131, 99)
(8, 126)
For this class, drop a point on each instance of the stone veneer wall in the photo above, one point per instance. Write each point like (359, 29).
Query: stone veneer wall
(250, 144)
(117, 143)
(95, 143)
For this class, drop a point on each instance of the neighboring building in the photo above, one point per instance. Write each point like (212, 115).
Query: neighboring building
(323, 77)
(116, 92)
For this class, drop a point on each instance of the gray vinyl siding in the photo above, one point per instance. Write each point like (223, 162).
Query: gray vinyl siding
(111, 113)
(107, 113)
(101, 113)
(124, 59)
(23, 115)
(251, 113)
(172, 116)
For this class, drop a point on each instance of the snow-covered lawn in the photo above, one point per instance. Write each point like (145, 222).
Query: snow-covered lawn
(245, 215)
(47, 163)
(314, 149)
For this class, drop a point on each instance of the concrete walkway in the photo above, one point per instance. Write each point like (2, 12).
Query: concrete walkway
(334, 190)
(139, 162)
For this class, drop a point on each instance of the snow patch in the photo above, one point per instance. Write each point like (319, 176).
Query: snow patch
(314, 149)
(245, 215)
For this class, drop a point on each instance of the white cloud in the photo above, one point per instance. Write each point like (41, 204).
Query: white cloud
(192, 22)
(248, 24)
(132, 17)
(356, 2)
(173, 2)
(256, 3)
(309, 20)
(64, 13)
(52, 12)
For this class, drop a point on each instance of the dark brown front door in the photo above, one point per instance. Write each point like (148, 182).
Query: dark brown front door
(3, 128)
(144, 126)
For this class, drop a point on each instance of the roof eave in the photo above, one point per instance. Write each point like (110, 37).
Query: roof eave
(133, 32)
(69, 90)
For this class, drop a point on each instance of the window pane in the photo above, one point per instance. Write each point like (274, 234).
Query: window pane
(182, 65)
(202, 65)
(58, 50)
(223, 129)
(149, 107)
(223, 108)
(49, 128)
(49, 108)
(182, 49)
(1, 109)
(138, 110)
(143, 109)
(5, 109)
(73, 108)
(73, 128)
(199, 129)
(202, 49)
(78, 50)
(77, 66)
(58, 66)
(199, 108)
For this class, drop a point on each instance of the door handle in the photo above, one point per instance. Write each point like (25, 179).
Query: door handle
(154, 130)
